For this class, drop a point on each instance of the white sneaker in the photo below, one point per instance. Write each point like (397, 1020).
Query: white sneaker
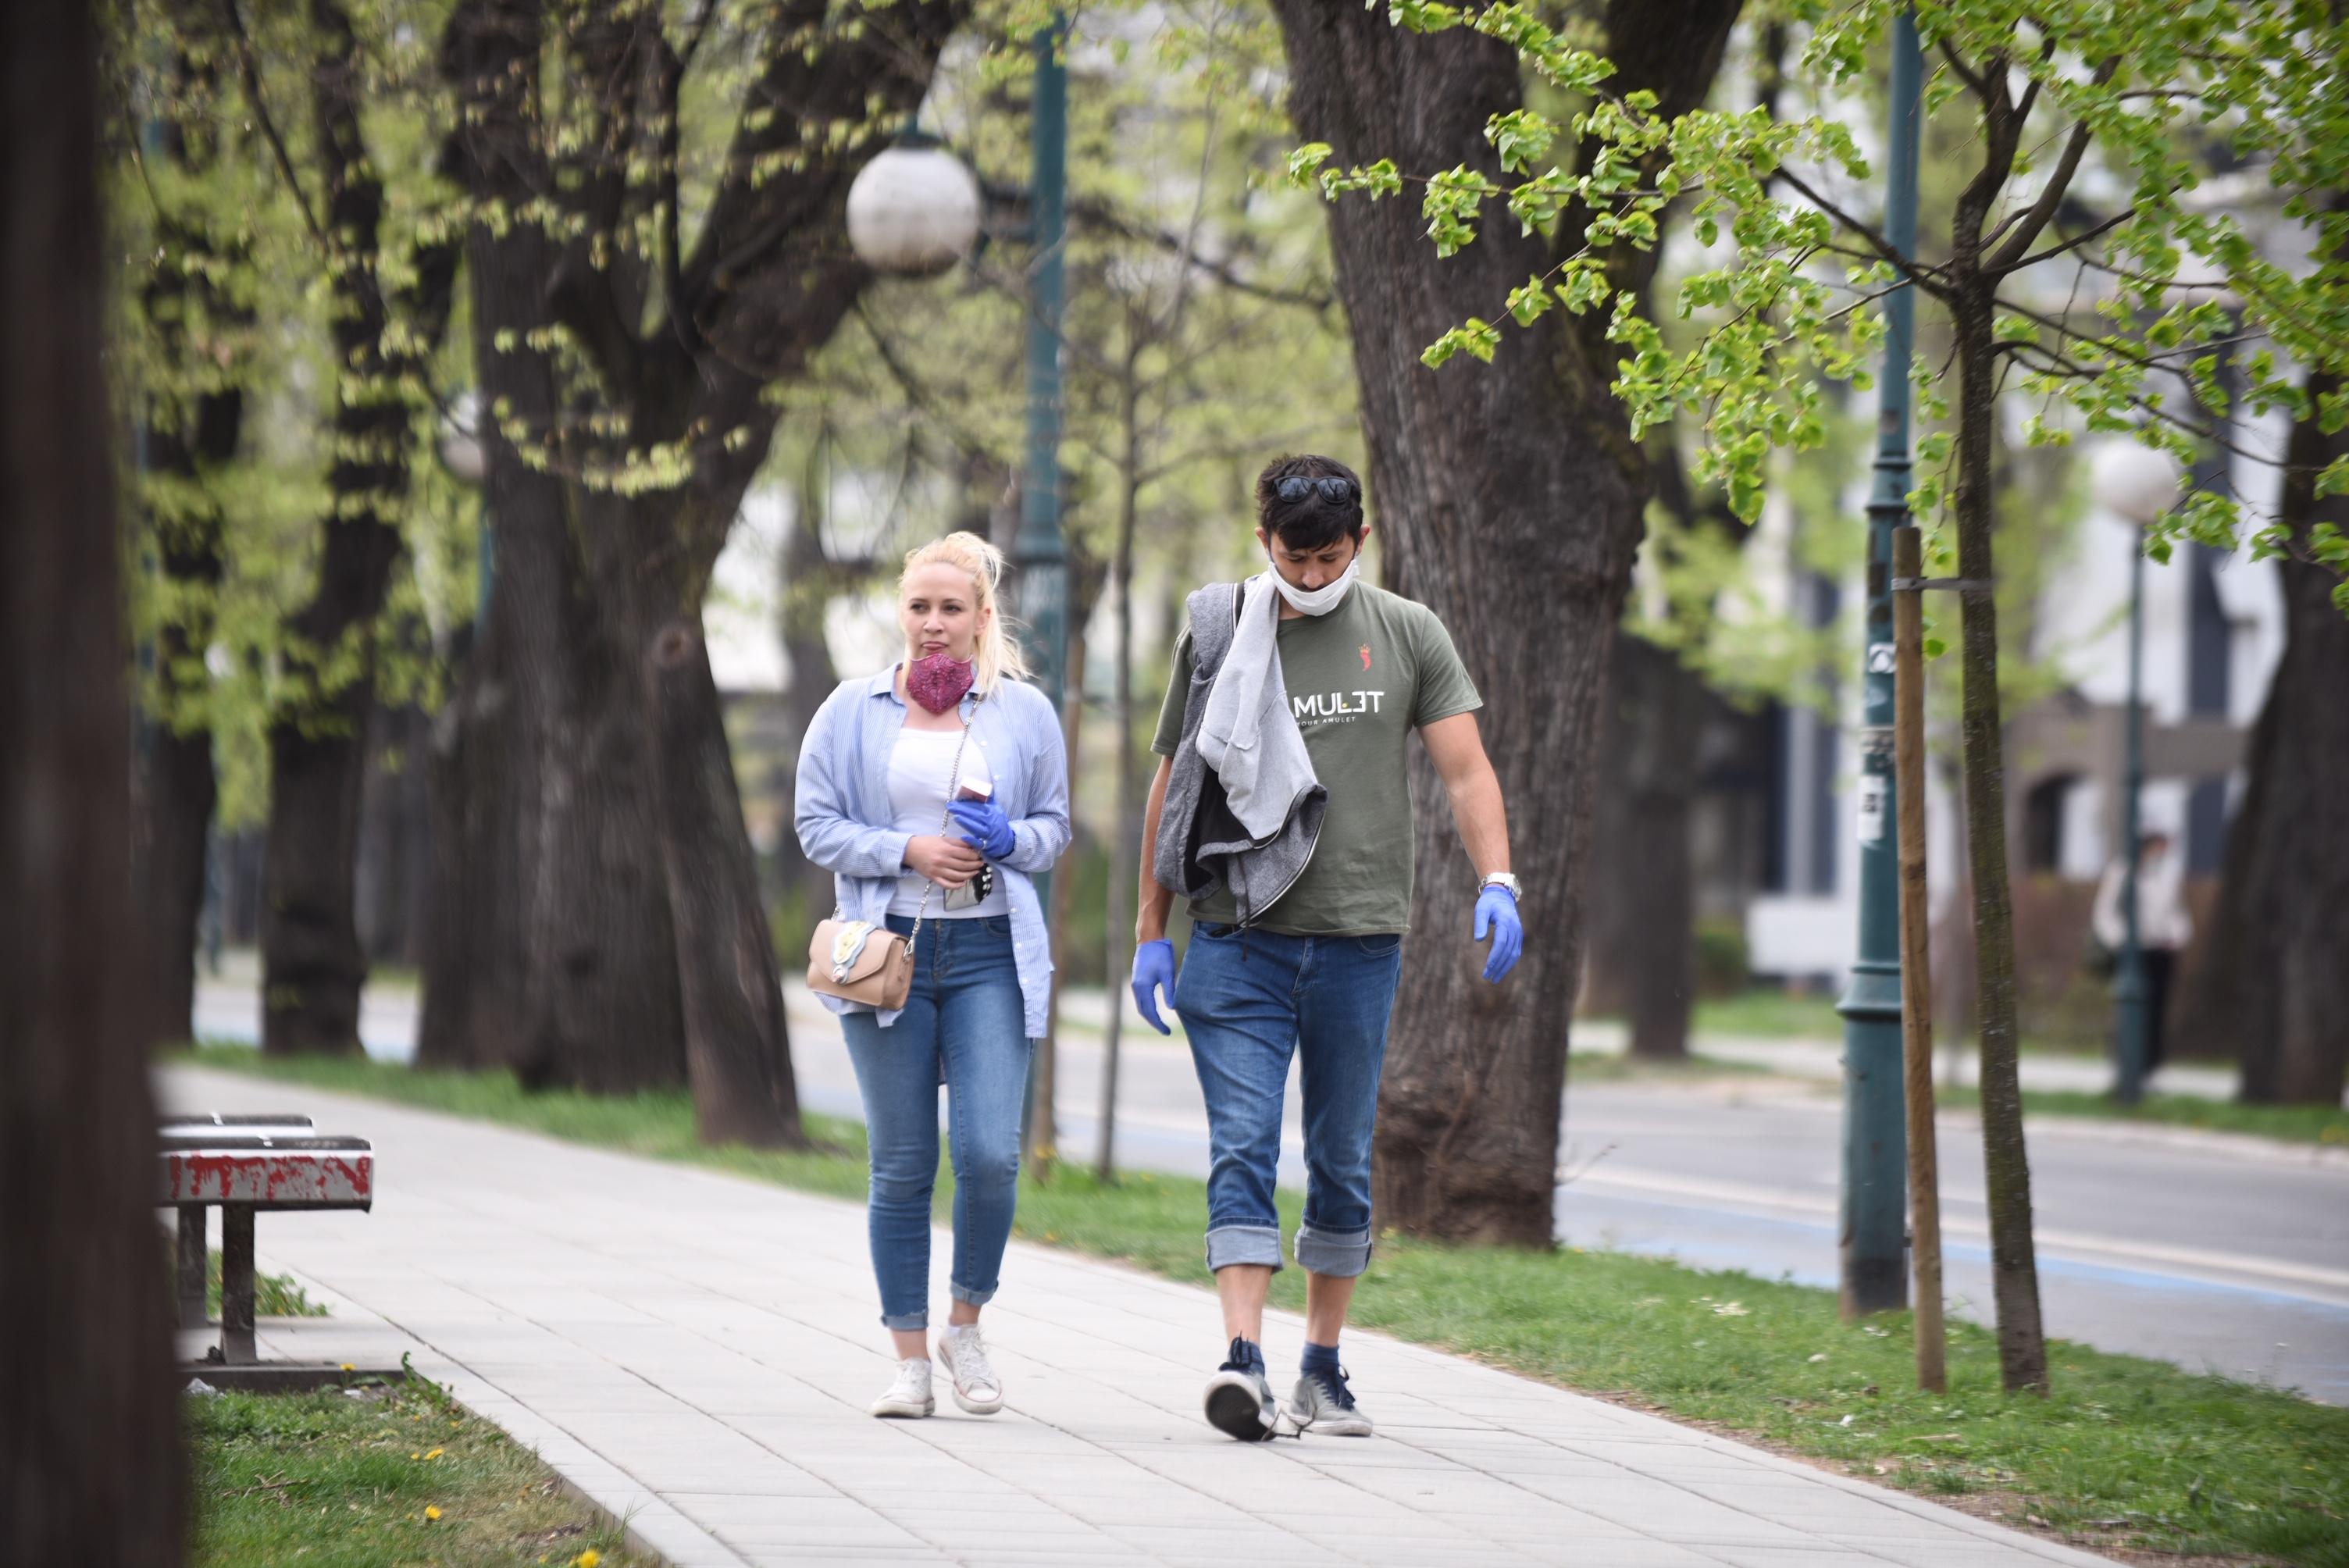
(976, 1388)
(909, 1395)
(1325, 1405)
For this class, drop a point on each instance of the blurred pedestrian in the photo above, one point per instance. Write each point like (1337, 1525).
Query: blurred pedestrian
(1282, 810)
(2163, 926)
(933, 792)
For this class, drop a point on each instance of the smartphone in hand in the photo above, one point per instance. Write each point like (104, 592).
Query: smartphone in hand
(979, 888)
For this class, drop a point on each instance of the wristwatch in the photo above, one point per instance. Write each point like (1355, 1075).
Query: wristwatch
(1503, 880)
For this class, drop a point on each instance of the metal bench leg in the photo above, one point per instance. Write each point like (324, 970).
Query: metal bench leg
(236, 1284)
(191, 1265)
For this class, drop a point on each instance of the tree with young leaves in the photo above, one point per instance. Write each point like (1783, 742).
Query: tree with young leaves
(389, 281)
(1508, 495)
(190, 313)
(655, 239)
(2126, 96)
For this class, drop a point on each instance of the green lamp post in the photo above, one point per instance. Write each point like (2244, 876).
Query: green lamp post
(1873, 1273)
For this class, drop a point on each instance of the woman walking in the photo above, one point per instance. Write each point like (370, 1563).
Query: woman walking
(933, 792)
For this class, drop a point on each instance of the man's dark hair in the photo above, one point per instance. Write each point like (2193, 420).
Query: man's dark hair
(1313, 521)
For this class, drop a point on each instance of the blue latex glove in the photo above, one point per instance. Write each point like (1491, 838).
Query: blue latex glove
(1153, 971)
(1496, 910)
(984, 827)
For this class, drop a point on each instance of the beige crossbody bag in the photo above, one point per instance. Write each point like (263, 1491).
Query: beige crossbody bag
(859, 961)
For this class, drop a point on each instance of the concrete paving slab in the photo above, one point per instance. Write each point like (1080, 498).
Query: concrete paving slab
(695, 1353)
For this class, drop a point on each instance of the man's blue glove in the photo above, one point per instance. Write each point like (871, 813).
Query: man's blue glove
(1153, 971)
(985, 827)
(1496, 910)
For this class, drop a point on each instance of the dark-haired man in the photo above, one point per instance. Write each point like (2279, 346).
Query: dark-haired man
(1282, 810)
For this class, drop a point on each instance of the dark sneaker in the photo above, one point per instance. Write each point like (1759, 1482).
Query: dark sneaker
(1323, 1404)
(1239, 1398)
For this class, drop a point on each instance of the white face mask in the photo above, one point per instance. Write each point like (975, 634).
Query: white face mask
(1322, 600)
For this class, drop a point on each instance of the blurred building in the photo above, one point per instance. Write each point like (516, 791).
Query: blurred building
(2213, 634)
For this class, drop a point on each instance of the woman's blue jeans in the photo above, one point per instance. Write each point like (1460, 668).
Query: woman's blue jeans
(964, 1027)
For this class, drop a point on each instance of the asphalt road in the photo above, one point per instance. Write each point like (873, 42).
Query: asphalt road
(2228, 1255)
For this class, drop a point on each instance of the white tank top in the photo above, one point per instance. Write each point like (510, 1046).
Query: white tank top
(920, 765)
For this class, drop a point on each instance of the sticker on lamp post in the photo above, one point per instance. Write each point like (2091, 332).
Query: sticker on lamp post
(1871, 807)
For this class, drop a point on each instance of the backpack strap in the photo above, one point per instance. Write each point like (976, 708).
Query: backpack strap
(1214, 613)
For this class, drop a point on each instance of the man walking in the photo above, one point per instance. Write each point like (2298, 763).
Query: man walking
(1282, 810)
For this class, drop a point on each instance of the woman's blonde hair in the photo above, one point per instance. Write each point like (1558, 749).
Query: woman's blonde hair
(999, 655)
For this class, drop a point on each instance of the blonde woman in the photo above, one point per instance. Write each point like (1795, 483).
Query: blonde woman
(933, 792)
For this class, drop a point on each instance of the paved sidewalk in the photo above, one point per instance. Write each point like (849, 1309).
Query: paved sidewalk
(696, 1352)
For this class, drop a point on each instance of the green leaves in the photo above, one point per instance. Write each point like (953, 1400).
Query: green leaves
(1479, 338)
(2153, 323)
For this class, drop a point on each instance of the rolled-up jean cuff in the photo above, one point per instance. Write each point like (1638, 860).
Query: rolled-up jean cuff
(1340, 1254)
(975, 1297)
(1229, 1244)
(905, 1321)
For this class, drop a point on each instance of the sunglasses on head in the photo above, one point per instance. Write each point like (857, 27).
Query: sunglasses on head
(1333, 488)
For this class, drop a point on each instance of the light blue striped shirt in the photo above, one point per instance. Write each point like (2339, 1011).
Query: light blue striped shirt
(844, 820)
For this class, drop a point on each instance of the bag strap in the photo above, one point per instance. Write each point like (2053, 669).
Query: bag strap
(1213, 627)
(954, 782)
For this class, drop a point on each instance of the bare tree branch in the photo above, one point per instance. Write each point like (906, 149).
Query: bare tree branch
(1924, 277)
(2041, 212)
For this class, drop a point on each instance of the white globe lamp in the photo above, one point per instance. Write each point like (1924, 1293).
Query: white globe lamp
(2134, 482)
(461, 439)
(914, 209)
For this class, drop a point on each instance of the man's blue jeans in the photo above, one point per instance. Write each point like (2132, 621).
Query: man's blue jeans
(1247, 1000)
(963, 1025)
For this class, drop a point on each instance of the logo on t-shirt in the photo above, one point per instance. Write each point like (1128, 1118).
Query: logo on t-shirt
(1366, 655)
(1335, 705)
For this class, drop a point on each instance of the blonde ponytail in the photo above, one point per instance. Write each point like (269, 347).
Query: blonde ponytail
(999, 655)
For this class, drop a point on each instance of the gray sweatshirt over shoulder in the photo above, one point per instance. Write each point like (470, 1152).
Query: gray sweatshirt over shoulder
(1260, 846)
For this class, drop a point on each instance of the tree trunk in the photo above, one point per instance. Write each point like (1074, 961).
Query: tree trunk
(1643, 891)
(738, 1046)
(473, 1012)
(312, 965)
(809, 584)
(1125, 831)
(395, 835)
(2274, 982)
(1510, 496)
(553, 868)
(2014, 1269)
(91, 1464)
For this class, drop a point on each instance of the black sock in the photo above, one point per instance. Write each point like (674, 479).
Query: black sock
(1246, 1356)
(1318, 1358)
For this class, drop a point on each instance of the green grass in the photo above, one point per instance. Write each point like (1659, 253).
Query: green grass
(1769, 1015)
(2287, 1123)
(344, 1482)
(2123, 1453)
(274, 1295)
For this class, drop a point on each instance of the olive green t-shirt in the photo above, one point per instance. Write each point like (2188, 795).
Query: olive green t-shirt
(1359, 679)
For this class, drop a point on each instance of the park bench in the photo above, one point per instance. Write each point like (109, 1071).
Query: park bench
(244, 1165)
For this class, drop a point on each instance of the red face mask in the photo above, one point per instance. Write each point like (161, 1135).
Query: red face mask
(939, 681)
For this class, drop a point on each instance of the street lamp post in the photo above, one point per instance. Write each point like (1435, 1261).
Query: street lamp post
(1873, 1271)
(2128, 989)
(1043, 566)
(2140, 485)
(1042, 561)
